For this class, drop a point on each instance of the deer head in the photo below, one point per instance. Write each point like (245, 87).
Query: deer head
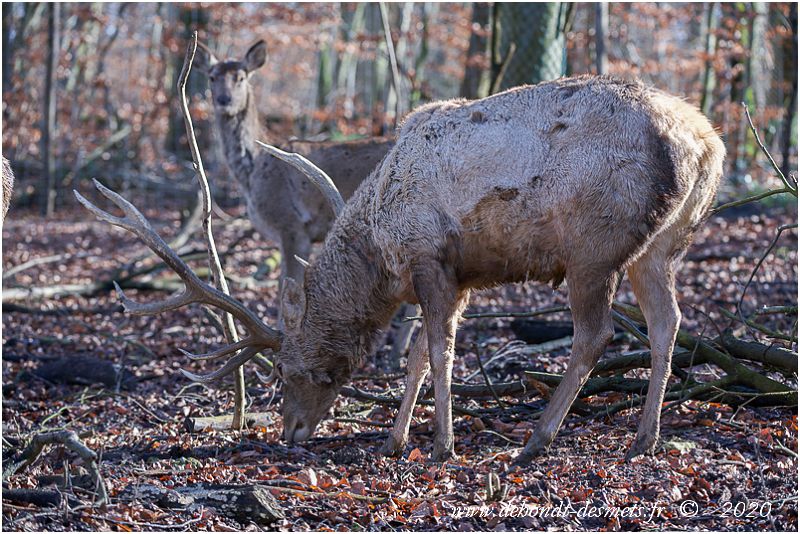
(309, 390)
(229, 80)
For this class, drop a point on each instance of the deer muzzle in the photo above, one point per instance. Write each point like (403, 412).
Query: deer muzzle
(295, 430)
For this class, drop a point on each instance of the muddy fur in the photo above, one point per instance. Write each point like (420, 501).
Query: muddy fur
(580, 178)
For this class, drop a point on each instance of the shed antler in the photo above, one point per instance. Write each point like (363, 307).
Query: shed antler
(259, 335)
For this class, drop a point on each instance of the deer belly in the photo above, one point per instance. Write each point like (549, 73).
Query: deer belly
(504, 239)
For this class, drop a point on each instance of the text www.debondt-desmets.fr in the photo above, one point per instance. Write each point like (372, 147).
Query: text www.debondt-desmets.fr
(648, 513)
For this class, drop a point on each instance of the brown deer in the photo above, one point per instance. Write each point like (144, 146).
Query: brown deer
(281, 203)
(8, 186)
(580, 179)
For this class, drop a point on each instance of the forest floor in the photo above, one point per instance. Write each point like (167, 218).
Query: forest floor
(736, 468)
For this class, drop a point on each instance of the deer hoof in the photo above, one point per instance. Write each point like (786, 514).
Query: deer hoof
(393, 448)
(641, 446)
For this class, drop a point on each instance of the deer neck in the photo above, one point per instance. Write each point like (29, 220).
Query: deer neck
(349, 299)
(239, 134)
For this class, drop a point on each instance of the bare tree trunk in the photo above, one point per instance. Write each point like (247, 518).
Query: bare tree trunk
(790, 76)
(711, 21)
(528, 42)
(48, 187)
(476, 83)
(600, 36)
(352, 25)
(7, 50)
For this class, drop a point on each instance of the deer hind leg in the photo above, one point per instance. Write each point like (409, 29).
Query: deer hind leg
(402, 339)
(590, 300)
(653, 280)
(417, 369)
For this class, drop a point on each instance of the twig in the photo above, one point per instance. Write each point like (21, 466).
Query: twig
(43, 260)
(786, 183)
(488, 381)
(362, 422)
(499, 435)
(354, 392)
(392, 61)
(761, 328)
(503, 314)
(151, 526)
(753, 198)
(215, 265)
(781, 229)
(337, 493)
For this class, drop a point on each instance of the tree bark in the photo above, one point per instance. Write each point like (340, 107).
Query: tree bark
(600, 36)
(790, 78)
(475, 81)
(48, 191)
(711, 21)
(535, 33)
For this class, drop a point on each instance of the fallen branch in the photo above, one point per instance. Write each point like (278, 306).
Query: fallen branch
(496, 315)
(740, 372)
(71, 441)
(37, 497)
(779, 357)
(243, 503)
(224, 422)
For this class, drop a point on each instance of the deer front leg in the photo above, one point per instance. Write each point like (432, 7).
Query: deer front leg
(590, 302)
(417, 369)
(436, 288)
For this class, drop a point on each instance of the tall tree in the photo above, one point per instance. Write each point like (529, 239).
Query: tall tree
(711, 17)
(48, 187)
(600, 36)
(790, 79)
(187, 18)
(528, 42)
(476, 80)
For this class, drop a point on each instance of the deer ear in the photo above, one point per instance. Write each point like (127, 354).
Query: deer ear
(204, 59)
(255, 58)
(293, 303)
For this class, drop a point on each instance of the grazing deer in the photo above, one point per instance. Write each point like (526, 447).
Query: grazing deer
(580, 179)
(281, 203)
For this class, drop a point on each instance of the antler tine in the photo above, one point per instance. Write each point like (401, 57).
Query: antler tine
(273, 375)
(172, 302)
(219, 353)
(138, 224)
(230, 366)
(317, 176)
(196, 290)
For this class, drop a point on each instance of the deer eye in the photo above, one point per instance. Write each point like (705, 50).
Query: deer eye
(212, 78)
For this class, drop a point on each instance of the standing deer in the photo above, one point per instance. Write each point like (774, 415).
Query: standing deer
(580, 179)
(281, 203)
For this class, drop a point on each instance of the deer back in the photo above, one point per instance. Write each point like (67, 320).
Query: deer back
(526, 183)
